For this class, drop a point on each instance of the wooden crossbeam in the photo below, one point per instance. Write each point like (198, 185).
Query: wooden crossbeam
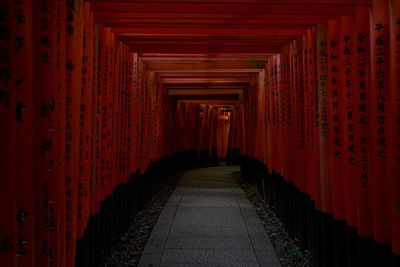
(226, 8)
(204, 92)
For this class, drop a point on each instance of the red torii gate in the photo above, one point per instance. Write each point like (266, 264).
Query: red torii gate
(89, 105)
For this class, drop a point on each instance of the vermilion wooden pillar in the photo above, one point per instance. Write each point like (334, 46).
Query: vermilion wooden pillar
(284, 104)
(308, 111)
(314, 167)
(306, 185)
(73, 79)
(295, 111)
(336, 145)
(134, 114)
(95, 205)
(22, 79)
(8, 140)
(61, 130)
(263, 119)
(395, 121)
(275, 115)
(269, 111)
(362, 89)
(315, 120)
(93, 152)
(280, 97)
(54, 170)
(291, 119)
(348, 115)
(379, 122)
(46, 138)
(85, 122)
(362, 93)
(300, 102)
(104, 111)
(291, 104)
(324, 118)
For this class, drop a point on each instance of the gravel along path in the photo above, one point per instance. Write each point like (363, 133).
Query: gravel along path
(128, 250)
(288, 253)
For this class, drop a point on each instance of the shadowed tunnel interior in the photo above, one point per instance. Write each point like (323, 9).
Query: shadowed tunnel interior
(100, 100)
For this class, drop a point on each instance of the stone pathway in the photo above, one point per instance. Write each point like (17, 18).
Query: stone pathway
(208, 221)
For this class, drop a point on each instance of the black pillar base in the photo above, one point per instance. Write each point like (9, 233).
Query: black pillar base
(127, 199)
(382, 254)
(331, 242)
(340, 249)
(365, 251)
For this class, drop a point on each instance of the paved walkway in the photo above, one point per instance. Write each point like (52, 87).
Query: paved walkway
(208, 221)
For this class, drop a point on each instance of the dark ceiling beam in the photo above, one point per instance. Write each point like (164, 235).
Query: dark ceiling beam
(182, 58)
(204, 49)
(225, 25)
(111, 21)
(282, 2)
(208, 72)
(165, 32)
(100, 15)
(205, 84)
(205, 80)
(204, 38)
(226, 8)
(212, 102)
(204, 92)
(212, 63)
(204, 75)
(210, 42)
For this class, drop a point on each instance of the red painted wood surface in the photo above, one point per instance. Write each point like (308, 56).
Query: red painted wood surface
(8, 142)
(323, 118)
(99, 89)
(395, 135)
(24, 113)
(380, 126)
(362, 50)
(334, 108)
